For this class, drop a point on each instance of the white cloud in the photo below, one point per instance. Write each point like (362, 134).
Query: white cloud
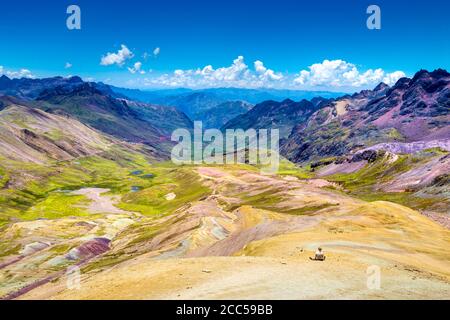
(22, 73)
(68, 65)
(237, 71)
(342, 74)
(238, 74)
(333, 75)
(117, 58)
(136, 68)
(156, 51)
(266, 74)
(392, 78)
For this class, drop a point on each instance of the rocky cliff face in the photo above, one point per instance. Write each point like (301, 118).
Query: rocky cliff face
(416, 109)
(271, 114)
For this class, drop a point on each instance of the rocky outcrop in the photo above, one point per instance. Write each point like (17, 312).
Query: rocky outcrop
(412, 147)
(366, 155)
(89, 249)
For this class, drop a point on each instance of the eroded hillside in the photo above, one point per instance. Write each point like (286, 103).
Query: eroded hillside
(234, 234)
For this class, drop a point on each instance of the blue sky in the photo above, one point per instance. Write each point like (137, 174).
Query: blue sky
(320, 44)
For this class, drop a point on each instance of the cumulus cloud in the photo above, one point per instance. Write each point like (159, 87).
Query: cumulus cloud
(266, 74)
(22, 73)
(339, 73)
(238, 74)
(68, 65)
(392, 78)
(136, 68)
(157, 51)
(118, 58)
(333, 75)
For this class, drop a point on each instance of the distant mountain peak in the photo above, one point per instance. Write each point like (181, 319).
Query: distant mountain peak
(402, 83)
(87, 88)
(440, 73)
(425, 74)
(75, 79)
(287, 101)
(381, 86)
(4, 81)
(84, 89)
(420, 74)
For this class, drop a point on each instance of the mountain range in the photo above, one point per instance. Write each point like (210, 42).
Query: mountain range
(84, 182)
(414, 109)
(219, 103)
(252, 96)
(411, 110)
(94, 105)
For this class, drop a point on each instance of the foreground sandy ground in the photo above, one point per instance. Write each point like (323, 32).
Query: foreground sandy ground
(293, 277)
(226, 246)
